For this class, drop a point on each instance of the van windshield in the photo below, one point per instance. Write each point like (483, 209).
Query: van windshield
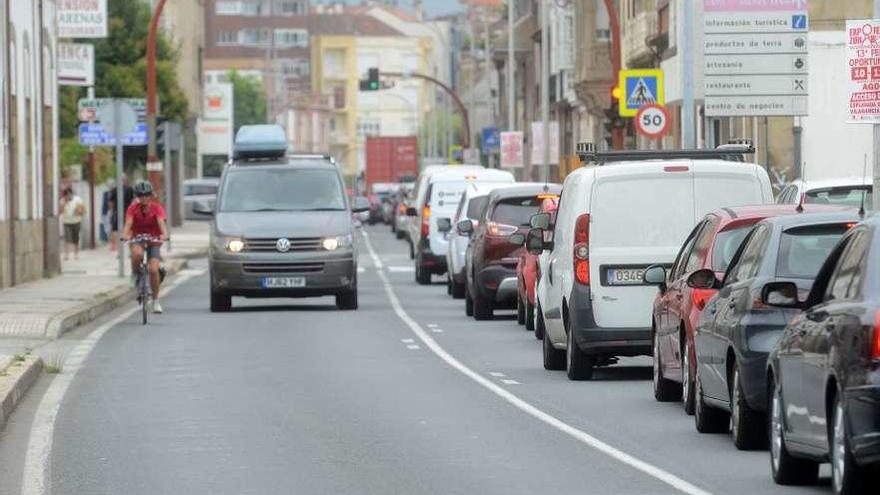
(282, 189)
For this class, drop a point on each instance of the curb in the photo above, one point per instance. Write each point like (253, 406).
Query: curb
(20, 375)
(105, 302)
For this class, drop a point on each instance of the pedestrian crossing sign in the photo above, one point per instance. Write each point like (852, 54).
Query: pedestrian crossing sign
(640, 87)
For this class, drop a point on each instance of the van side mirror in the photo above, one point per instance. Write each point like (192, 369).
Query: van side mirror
(444, 224)
(202, 207)
(464, 227)
(535, 243)
(781, 295)
(703, 279)
(655, 275)
(517, 239)
(540, 221)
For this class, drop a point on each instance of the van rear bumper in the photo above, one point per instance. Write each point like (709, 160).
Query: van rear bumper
(595, 340)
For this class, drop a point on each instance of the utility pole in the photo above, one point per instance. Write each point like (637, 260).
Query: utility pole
(545, 90)
(154, 165)
(511, 71)
(91, 167)
(688, 140)
(876, 167)
(473, 51)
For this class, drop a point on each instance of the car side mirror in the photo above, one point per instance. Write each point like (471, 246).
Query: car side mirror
(411, 212)
(781, 295)
(517, 239)
(444, 224)
(655, 275)
(540, 221)
(703, 279)
(535, 243)
(464, 227)
(202, 208)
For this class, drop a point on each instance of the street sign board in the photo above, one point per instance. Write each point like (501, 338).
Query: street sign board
(491, 140)
(652, 121)
(76, 64)
(90, 107)
(96, 135)
(537, 139)
(640, 87)
(118, 118)
(863, 70)
(81, 18)
(755, 57)
(511, 149)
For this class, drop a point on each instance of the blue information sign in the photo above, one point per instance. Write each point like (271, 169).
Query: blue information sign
(491, 140)
(95, 135)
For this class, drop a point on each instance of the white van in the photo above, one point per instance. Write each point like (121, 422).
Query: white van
(437, 195)
(613, 221)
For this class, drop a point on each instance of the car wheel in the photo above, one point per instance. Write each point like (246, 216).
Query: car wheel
(578, 365)
(220, 302)
(483, 309)
(687, 382)
(786, 469)
(520, 311)
(665, 390)
(746, 425)
(468, 304)
(423, 276)
(457, 289)
(708, 419)
(847, 477)
(540, 327)
(347, 300)
(530, 316)
(554, 359)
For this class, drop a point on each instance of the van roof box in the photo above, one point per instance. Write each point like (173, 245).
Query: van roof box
(733, 151)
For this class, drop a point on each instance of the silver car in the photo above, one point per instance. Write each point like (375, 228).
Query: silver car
(199, 190)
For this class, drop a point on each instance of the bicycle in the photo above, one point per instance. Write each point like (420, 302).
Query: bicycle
(142, 277)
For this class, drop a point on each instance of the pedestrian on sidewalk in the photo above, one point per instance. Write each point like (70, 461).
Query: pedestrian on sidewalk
(105, 210)
(128, 197)
(146, 217)
(72, 211)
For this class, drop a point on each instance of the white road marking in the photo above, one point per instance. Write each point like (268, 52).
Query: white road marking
(579, 435)
(437, 330)
(413, 347)
(401, 269)
(433, 325)
(35, 479)
(497, 374)
(361, 269)
(407, 341)
(510, 382)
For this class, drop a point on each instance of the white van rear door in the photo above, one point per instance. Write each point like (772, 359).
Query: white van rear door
(445, 196)
(636, 220)
(725, 184)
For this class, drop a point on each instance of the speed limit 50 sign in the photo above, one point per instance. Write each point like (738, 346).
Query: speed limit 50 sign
(652, 121)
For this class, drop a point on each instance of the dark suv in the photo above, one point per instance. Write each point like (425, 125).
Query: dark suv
(281, 227)
(491, 259)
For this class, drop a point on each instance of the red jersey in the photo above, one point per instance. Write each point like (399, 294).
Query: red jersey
(145, 218)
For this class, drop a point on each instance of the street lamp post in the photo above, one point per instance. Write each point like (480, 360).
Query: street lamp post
(511, 73)
(545, 90)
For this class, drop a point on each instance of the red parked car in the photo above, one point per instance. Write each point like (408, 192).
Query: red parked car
(527, 275)
(677, 307)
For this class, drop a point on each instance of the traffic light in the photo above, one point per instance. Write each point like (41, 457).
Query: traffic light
(371, 83)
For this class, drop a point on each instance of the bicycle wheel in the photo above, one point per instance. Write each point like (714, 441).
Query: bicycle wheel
(145, 298)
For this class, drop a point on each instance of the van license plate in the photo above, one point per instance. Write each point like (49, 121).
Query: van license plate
(284, 282)
(625, 276)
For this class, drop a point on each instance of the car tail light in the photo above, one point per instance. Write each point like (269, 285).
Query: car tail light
(875, 342)
(500, 229)
(426, 221)
(699, 297)
(582, 249)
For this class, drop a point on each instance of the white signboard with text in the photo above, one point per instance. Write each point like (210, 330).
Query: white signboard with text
(538, 142)
(82, 18)
(863, 70)
(511, 149)
(216, 126)
(76, 64)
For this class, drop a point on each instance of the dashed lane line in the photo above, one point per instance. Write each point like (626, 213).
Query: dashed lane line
(579, 435)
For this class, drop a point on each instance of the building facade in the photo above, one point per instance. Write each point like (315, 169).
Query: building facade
(29, 227)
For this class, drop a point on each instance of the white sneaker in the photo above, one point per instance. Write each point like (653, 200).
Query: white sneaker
(157, 308)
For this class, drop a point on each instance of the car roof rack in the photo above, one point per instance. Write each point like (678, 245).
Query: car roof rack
(733, 151)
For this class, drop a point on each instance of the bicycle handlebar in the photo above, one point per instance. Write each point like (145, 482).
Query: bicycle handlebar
(144, 238)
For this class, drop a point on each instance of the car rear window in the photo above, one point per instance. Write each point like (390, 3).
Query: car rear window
(475, 206)
(802, 250)
(726, 244)
(847, 196)
(516, 211)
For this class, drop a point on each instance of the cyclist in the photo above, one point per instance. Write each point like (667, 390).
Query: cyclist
(146, 217)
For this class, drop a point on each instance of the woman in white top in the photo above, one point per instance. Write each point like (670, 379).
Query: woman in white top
(72, 210)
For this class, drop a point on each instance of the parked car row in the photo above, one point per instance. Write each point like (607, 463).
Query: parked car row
(763, 319)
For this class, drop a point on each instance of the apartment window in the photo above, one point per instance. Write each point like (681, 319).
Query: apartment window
(334, 63)
(290, 7)
(292, 37)
(295, 68)
(227, 7)
(254, 7)
(368, 127)
(255, 36)
(603, 23)
(227, 38)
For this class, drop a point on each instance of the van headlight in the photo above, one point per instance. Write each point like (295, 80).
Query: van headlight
(336, 242)
(231, 244)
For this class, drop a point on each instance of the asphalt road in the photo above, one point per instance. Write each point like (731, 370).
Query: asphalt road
(297, 397)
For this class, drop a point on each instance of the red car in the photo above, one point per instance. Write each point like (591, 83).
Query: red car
(677, 307)
(527, 276)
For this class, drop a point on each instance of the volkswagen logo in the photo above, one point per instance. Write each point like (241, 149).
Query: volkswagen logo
(283, 245)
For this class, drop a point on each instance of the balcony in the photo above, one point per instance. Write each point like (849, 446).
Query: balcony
(636, 32)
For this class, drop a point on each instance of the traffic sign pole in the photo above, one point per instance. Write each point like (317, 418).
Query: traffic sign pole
(120, 197)
(687, 78)
(876, 164)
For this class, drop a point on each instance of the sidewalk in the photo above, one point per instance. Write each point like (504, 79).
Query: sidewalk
(38, 312)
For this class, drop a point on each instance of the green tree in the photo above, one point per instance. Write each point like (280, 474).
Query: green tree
(249, 100)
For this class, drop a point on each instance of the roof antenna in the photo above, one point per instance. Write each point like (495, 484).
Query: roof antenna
(864, 192)
(800, 206)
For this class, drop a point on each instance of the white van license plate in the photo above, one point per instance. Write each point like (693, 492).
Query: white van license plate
(625, 276)
(284, 282)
